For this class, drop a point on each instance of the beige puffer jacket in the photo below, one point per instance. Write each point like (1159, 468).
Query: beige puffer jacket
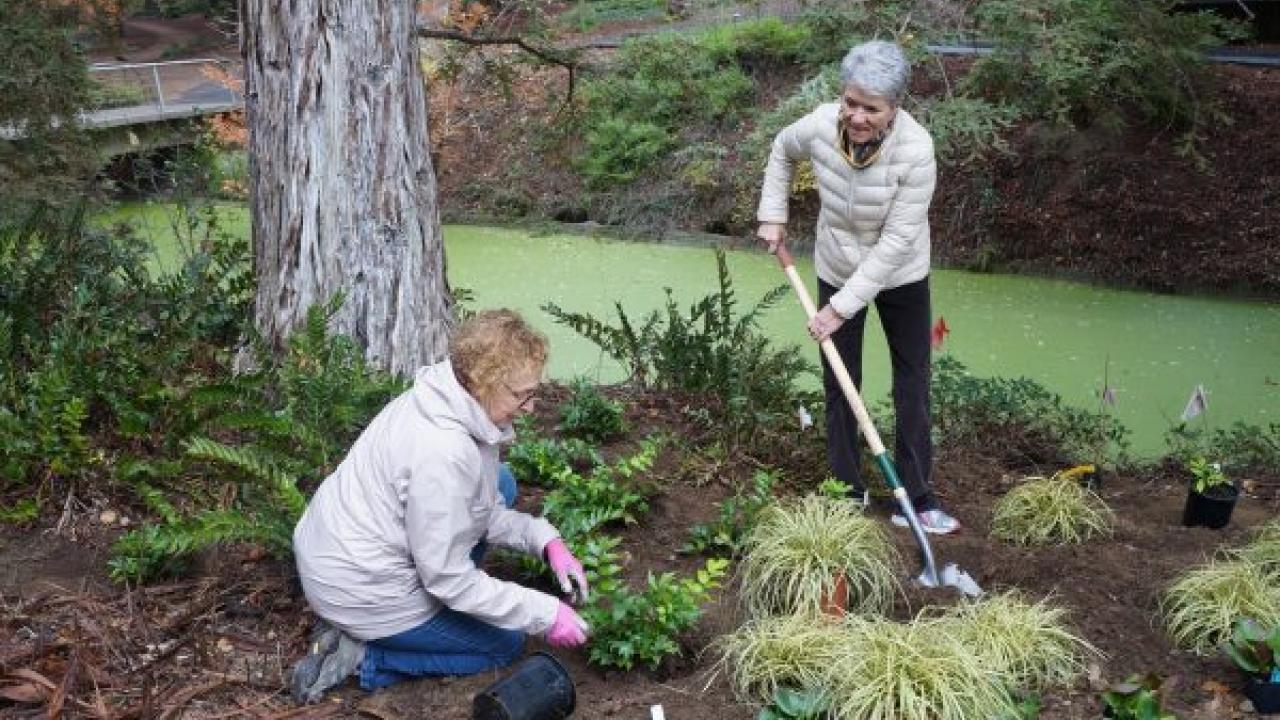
(873, 228)
(386, 541)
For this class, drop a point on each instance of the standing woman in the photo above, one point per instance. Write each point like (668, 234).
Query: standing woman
(389, 549)
(875, 173)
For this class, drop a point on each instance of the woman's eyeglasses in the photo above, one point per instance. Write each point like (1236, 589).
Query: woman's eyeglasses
(523, 397)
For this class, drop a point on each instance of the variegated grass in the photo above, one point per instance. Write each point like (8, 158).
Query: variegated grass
(1030, 643)
(913, 671)
(1263, 549)
(780, 651)
(797, 550)
(1050, 511)
(1201, 607)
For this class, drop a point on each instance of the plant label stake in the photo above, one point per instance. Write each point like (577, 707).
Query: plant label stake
(950, 576)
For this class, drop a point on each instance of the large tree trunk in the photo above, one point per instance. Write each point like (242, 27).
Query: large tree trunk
(342, 191)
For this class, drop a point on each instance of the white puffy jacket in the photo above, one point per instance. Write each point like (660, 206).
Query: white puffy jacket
(386, 541)
(873, 227)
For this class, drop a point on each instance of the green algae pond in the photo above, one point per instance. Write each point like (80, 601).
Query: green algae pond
(1153, 349)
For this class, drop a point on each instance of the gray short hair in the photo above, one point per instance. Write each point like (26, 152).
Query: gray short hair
(879, 68)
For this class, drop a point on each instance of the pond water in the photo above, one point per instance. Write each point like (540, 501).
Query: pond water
(1153, 349)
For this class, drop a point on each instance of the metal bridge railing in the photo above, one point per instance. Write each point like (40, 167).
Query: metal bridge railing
(130, 93)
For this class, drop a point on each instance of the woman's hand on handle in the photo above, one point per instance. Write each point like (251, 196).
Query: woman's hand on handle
(824, 324)
(773, 235)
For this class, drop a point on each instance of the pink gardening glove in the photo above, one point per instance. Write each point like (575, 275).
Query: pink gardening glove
(569, 629)
(567, 568)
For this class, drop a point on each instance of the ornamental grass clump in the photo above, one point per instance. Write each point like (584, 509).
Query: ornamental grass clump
(780, 651)
(914, 671)
(1050, 511)
(1029, 643)
(798, 551)
(1201, 607)
(1264, 549)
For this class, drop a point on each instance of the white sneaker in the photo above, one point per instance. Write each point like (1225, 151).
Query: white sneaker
(934, 522)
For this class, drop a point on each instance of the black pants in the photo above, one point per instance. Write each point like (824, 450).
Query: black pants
(906, 316)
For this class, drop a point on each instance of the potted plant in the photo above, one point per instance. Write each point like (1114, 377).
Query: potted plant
(1137, 697)
(1256, 650)
(1212, 496)
(816, 556)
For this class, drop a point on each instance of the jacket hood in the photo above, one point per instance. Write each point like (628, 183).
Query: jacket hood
(442, 400)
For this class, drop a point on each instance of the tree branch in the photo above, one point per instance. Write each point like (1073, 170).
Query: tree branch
(568, 61)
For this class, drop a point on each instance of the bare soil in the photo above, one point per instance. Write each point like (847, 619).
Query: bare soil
(219, 642)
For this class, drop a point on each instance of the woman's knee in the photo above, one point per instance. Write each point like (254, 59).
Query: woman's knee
(509, 649)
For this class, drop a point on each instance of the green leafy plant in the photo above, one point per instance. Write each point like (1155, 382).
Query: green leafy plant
(545, 461)
(1246, 449)
(799, 550)
(1207, 477)
(735, 517)
(795, 704)
(630, 628)
(579, 504)
(1136, 698)
(1028, 643)
(1083, 62)
(292, 418)
(1201, 607)
(709, 350)
(1050, 511)
(1254, 648)
(589, 415)
(1034, 425)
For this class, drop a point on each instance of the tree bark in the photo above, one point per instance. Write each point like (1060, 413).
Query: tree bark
(342, 191)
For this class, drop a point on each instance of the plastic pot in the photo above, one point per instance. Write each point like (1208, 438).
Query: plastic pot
(837, 603)
(539, 688)
(1211, 510)
(1264, 694)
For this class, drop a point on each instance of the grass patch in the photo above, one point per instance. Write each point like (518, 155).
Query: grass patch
(1050, 511)
(798, 549)
(1202, 607)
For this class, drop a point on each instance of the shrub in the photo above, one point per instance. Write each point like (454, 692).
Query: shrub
(1080, 62)
(629, 628)
(1201, 607)
(582, 504)
(734, 519)
(618, 150)
(1050, 511)
(94, 350)
(1245, 449)
(292, 419)
(590, 416)
(796, 551)
(1032, 423)
(545, 461)
(710, 350)
(966, 129)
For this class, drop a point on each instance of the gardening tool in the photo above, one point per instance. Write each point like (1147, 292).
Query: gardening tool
(949, 576)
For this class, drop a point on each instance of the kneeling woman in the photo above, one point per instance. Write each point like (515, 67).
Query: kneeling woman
(389, 548)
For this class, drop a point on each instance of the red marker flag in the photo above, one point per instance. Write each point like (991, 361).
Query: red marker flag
(939, 332)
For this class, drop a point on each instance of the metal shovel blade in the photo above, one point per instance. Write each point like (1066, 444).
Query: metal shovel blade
(951, 576)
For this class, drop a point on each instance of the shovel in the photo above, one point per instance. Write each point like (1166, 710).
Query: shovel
(949, 576)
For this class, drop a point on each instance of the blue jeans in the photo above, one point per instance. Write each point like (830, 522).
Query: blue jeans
(451, 643)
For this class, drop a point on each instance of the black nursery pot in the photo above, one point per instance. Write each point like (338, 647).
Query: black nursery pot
(539, 688)
(1264, 694)
(1212, 510)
